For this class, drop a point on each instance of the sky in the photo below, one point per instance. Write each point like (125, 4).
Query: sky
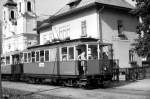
(45, 7)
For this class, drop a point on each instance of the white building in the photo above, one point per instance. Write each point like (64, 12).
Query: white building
(19, 20)
(101, 19)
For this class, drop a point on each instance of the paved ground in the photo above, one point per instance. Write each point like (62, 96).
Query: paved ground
(143, 85)
(124, 90)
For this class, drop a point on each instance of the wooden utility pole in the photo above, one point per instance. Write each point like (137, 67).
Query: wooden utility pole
(1, 94)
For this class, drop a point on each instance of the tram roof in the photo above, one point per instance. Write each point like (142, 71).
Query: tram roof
(71, 41)
(11, 53)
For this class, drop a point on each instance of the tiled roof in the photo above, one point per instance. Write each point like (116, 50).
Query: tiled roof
(84, 3)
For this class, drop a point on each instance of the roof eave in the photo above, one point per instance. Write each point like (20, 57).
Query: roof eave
(88, 6)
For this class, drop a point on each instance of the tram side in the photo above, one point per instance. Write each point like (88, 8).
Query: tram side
(11, 67)
(59, 63)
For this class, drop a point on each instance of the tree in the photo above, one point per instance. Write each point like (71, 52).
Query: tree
(142, 45)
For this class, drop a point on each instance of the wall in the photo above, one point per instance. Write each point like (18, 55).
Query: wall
(110, 33)
(73, 24)
(46, 36)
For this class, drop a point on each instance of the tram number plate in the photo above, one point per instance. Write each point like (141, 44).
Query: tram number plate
(41, 64)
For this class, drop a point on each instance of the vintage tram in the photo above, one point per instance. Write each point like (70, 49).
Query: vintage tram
(59, 63)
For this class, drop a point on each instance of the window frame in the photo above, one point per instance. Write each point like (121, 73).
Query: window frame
(61, 55)
(36, 55)
(19, 6)
(29, 6)
(97, 46)
(69, 53)
(12, 14)
(48, 55)
(52, 53)
(29, 54)
(33, 57)
(8, 62)
(24, 57)
(120, 27)
(83, 28)
(42, 56)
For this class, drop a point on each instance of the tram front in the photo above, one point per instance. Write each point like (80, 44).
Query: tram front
(95, 62)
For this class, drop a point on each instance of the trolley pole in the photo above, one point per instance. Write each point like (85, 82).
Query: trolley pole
(1, 94)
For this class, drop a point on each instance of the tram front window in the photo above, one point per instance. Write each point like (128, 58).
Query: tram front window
(71, 53)
(92, 52)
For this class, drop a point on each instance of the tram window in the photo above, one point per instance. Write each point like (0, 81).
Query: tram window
(71, 52)
(33, 56)
(37, 56)
(47, 55)
(21, 58)
(42, 56)
(64, 53)
(25, 57)
(29, 57)
(52, 54)
(7, 59)
(92, 52)
(3, 60)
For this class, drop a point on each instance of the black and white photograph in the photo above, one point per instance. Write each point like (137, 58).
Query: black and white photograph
(74, 49)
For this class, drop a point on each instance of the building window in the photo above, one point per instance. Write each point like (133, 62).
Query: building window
(47, 55)
(64, 53)
(131, 56)
(120, 27)
(29, 6)
(37, 56)
(19, 6)
(42, 56)
(71, 52)
(121, 30)
(12, 15)
(4, 15)
(83, 29)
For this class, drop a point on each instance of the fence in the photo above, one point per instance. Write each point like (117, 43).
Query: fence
(135, 73)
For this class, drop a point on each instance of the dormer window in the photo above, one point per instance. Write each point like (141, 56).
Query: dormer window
(29, 6)
(12, 14)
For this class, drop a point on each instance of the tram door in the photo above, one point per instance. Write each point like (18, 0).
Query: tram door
(15, 59)
(81, 57)
(106, 56)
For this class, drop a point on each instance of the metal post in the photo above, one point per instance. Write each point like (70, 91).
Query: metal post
(0, 61)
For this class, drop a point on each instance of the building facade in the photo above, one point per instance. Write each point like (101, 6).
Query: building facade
(19, 21)
(110, 22)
